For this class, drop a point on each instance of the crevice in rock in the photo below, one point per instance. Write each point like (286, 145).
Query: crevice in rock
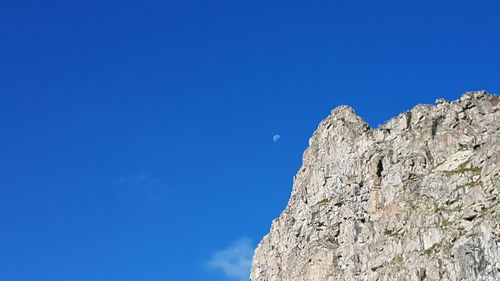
(380, 167)
(408, 119)
(435, 125)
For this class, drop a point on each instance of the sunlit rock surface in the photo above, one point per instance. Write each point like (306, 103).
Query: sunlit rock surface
(415, 199)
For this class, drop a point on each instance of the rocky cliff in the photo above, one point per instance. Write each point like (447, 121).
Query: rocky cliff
(416, 199)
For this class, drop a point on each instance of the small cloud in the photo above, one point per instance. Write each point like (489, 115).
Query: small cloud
(141, 186)
(234, 261)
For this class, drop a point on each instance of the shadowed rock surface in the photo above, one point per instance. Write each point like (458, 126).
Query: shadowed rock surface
(415, 199)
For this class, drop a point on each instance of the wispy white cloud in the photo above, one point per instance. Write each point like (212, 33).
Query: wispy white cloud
(234, 261)
(141, 186)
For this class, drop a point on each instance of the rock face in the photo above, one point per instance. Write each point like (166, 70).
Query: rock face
(416, 199)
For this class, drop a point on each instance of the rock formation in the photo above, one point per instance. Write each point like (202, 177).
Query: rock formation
(416, 199)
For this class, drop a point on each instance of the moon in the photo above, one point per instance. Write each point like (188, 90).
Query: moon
(276, 138)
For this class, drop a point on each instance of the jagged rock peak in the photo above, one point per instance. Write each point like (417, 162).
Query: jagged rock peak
(342, 119)
(343, 111)
(416, 199)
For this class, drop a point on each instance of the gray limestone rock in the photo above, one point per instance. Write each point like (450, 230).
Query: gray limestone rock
(415, 199)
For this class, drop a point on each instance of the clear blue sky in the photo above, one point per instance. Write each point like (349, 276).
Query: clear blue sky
(137, 137)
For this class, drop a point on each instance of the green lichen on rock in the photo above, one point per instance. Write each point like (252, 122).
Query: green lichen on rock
(433, 249)
(464, 168)
(322, 202)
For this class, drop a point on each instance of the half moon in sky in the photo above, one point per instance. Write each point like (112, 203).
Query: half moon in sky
(276, 138)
